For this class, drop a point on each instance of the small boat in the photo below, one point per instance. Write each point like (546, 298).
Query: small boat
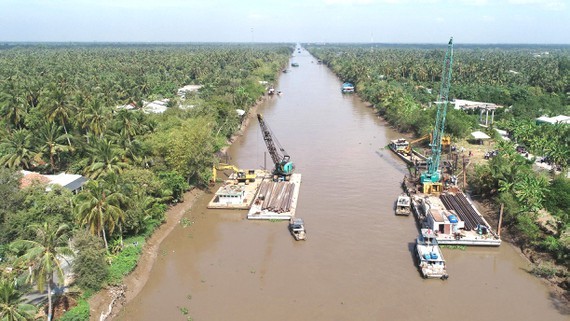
(294, 64)
(403, 205)
(297, 228)
(430, 257)
(399, 145)
(347, 88)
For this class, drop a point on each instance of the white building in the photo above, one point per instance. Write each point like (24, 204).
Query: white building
(72, 182)
(560, 119)
(231, 194)
(182, 92)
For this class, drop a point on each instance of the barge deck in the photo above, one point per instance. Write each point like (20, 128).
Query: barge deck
(276, 200)
(237, 196)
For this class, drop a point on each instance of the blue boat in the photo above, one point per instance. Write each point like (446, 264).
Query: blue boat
(347, 88)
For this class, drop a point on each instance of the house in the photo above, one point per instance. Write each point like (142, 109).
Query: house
(72, 182)
(155, 107)
(182, 92)
(560, 119)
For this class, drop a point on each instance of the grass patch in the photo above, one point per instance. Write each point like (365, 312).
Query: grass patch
(126, 260)
(80, 312)
(544, 270)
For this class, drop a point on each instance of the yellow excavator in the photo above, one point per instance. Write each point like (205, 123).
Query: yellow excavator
(240, 175)
(407, 150)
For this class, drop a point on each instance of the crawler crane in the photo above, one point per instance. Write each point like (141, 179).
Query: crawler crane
(283, 166)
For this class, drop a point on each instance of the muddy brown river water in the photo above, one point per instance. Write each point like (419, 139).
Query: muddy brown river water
(357, 262)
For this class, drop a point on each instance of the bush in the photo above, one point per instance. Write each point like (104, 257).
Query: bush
(89, 266)
(78, 313)
(126, 261)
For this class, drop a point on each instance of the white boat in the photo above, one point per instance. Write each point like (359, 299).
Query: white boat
(297, 228)
(403, 205)
(430, 258)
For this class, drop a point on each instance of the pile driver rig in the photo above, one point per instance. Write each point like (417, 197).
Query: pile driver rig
(431, 179)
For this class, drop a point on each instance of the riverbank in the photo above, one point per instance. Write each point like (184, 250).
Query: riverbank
(106, 304)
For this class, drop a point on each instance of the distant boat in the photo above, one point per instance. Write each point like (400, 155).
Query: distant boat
(347, 88)
(294, 64)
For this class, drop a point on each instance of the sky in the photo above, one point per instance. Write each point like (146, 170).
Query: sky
(361, 21)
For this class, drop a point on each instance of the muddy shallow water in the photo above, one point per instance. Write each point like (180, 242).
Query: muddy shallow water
(357, 262)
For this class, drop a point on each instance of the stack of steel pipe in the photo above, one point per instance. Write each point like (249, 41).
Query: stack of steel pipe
(278, 196)
(463, 200)
(461, 206)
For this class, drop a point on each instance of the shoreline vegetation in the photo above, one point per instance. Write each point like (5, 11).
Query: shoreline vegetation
(401, 84)
(108, 302)
(79, 109)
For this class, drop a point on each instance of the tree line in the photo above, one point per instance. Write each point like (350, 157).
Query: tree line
(59, 114)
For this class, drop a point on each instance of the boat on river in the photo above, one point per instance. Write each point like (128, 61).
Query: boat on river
(294, 64)
(430, 258)
(347, 88)
(297, 228)
(403, 205)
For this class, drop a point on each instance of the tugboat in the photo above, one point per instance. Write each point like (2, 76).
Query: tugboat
(431, 262)
(403, 205)
(297, 228)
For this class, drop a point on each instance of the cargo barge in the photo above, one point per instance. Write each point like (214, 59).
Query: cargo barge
(276, 200)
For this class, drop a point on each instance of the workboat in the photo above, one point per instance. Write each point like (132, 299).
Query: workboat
(399, 145)
(297, 228)
(347, 87)
(430, 257)
(403, 205)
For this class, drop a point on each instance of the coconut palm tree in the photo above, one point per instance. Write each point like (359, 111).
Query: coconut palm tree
(50, 139)
(44, 255)
(99, 209)
(105, 157)
(59, 108)
(11, 306)
(18, 149)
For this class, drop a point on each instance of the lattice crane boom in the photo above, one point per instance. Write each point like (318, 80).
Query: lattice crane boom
(433, 174)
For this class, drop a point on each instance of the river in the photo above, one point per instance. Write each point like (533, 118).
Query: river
(357, 262)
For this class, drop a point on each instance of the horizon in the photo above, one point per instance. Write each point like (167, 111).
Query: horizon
(534, 22)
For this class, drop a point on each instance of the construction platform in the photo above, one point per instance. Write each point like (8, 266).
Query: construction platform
(276, 200)
(454, 219)
(237, 196)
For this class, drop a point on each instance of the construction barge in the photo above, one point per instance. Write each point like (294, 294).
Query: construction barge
(452, 217)
(237, 196)
(276, 200)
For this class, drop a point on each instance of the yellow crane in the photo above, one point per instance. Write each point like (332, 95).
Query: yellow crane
(240, 175)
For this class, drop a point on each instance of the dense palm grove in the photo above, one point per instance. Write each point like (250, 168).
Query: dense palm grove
(58, 106)
(402, 81)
